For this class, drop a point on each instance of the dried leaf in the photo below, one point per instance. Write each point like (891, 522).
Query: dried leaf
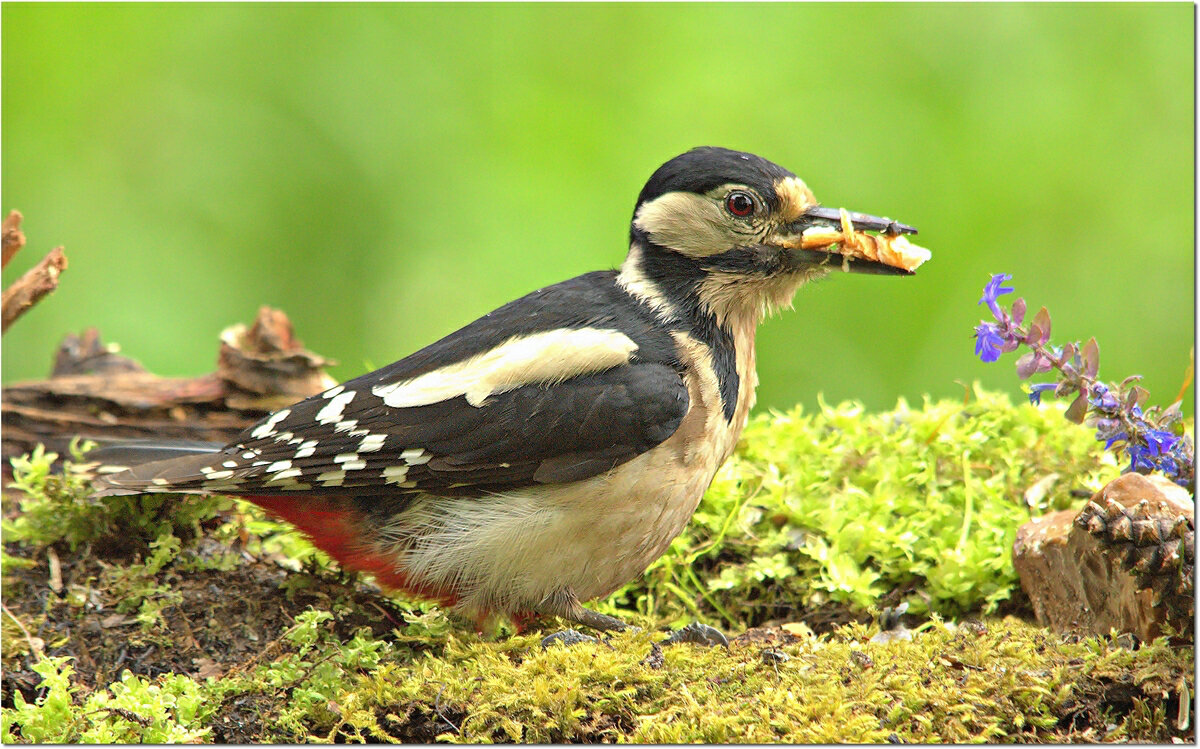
(56, 580)
(1018, 310)
(1183, 716)
(1042, 321)
(1172, 413)
(1078, 409)
(797, 629)
(1027, 365)
(1141, 394)
(114, 620)
(1035, 334)
(1036, 494)
(206, 667)
(1091, 358)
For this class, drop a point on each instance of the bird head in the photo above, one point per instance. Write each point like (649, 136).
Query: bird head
(732, 232)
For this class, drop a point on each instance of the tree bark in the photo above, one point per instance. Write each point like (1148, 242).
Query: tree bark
(97, 394)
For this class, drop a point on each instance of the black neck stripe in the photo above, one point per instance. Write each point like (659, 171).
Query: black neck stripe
(678, 279)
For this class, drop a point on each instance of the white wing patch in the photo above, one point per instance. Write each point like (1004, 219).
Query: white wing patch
(415, 457)
(267, 428)
(333, 410)
(548, 357)
(394, 474)
(372, 443)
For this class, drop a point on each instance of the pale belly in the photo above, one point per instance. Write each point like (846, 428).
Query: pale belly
(508, 553)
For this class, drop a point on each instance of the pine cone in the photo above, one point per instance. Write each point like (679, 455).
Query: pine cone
(1158, 549)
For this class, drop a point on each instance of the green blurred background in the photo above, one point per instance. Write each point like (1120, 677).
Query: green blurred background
(387, 173)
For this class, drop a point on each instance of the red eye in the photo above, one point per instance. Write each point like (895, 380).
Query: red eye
(740, 204)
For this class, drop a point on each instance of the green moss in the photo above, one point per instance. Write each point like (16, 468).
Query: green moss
(209, 628)
(56, 508)
(846, 506)
(131, 710)
(1014, 682)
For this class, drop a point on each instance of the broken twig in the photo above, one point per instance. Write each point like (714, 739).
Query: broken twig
(27, 290)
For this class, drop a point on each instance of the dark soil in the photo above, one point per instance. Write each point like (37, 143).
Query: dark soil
(225, 620)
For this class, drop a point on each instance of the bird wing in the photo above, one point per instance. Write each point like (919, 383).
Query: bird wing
(532, 434)
(559, 397)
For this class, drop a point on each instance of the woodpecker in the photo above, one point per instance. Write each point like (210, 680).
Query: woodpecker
(548, 452)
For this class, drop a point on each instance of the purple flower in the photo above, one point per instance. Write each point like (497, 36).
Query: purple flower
(1112, 410)
(1101, 398)
(1106, 427)
(1157, 450)
(994, 289)
(1138, 458)
(1035, 391)
(988, 341)
(1159, 442)
(1113, 439)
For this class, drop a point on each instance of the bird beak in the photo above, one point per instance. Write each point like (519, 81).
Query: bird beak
(838, 238)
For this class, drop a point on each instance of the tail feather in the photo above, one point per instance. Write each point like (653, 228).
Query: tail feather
(135, 452)
(141, 466)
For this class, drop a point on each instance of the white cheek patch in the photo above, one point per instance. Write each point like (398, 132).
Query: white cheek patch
(687, 223)
(548, 357)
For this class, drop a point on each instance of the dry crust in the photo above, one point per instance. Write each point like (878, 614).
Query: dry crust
(890, 249)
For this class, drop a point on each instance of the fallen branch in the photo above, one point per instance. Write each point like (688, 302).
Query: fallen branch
(27, 290)
(13, 239)
(96, 393)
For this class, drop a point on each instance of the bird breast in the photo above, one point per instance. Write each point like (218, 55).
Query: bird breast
(509, 552)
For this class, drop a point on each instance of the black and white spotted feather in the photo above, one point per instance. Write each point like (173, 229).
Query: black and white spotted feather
(348, 440)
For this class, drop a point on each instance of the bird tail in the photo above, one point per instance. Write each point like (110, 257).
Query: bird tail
(141, 466)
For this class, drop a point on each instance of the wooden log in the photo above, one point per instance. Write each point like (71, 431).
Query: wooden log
(96, 393)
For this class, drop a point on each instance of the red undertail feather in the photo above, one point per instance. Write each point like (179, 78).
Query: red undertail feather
(336, 531)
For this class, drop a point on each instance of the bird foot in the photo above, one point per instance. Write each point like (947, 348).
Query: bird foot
(567, 637)
(697, 634)
(891, 626)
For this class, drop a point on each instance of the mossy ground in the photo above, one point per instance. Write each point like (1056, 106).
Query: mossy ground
(196, 619)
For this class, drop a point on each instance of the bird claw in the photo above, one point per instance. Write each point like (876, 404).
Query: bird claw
(697, 634)
(567, 637)
(891, 626)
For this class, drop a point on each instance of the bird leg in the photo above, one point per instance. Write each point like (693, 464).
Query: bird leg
(698, 634)
(565, 605)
